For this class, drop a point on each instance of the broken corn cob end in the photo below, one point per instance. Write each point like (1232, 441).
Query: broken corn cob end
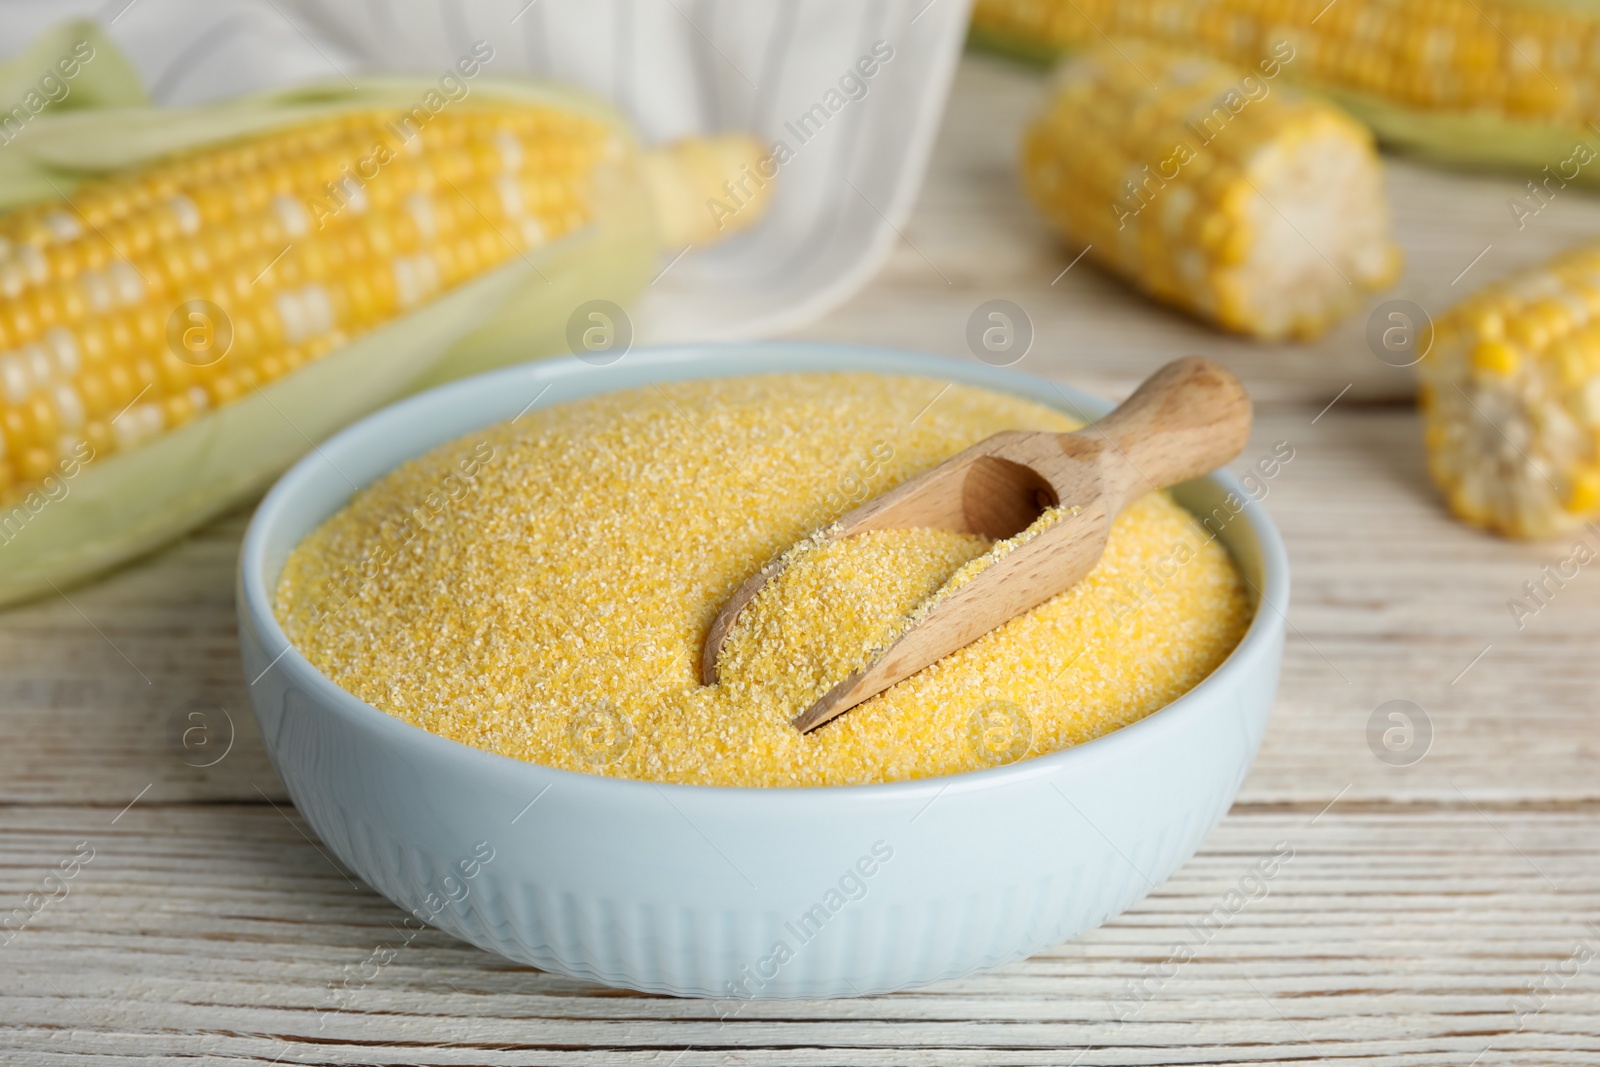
(1510, 400)
(1212, 188)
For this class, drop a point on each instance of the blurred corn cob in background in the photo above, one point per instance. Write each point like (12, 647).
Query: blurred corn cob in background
(1212, 188)
(1478, 81)
(97, 344)
(1510, 398)
(177, 326)
(268, 230)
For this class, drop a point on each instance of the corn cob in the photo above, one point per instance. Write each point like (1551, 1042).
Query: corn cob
(1510, 398)
(1211, 188)
(1511, 58)
(303, 238)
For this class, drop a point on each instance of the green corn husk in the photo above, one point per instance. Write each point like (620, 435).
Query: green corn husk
(1459, 140)
(129, 503)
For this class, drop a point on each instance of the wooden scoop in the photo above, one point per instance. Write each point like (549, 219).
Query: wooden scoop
(1187, 419)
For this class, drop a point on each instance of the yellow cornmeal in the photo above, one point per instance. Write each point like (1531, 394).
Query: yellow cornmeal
(542, 589)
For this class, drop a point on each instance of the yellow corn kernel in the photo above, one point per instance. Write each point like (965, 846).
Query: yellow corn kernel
(177, 410)
(1495, 357)
(1583, 497)
(99, 436)
(1529, 329)
(35, 463)
(1487, 323)
(1571, 361)
(223, 389)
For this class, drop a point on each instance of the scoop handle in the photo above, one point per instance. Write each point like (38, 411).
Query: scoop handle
(1187, 419)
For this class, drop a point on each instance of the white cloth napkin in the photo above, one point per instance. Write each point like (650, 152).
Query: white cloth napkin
(853, 147)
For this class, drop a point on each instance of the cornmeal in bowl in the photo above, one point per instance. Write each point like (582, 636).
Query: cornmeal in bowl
(542, 589)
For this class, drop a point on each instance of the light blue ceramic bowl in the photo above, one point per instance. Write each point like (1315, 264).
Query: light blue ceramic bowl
(739, 893)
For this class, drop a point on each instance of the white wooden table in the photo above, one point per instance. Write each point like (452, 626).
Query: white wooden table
(1446, 912)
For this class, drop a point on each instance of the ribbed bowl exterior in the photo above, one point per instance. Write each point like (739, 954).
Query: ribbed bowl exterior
(740, 893)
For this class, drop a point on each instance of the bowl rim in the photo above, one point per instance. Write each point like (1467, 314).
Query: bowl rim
(255, 599)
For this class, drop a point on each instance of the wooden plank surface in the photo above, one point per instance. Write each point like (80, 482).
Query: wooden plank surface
(1387, 938)
(1444, 912)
